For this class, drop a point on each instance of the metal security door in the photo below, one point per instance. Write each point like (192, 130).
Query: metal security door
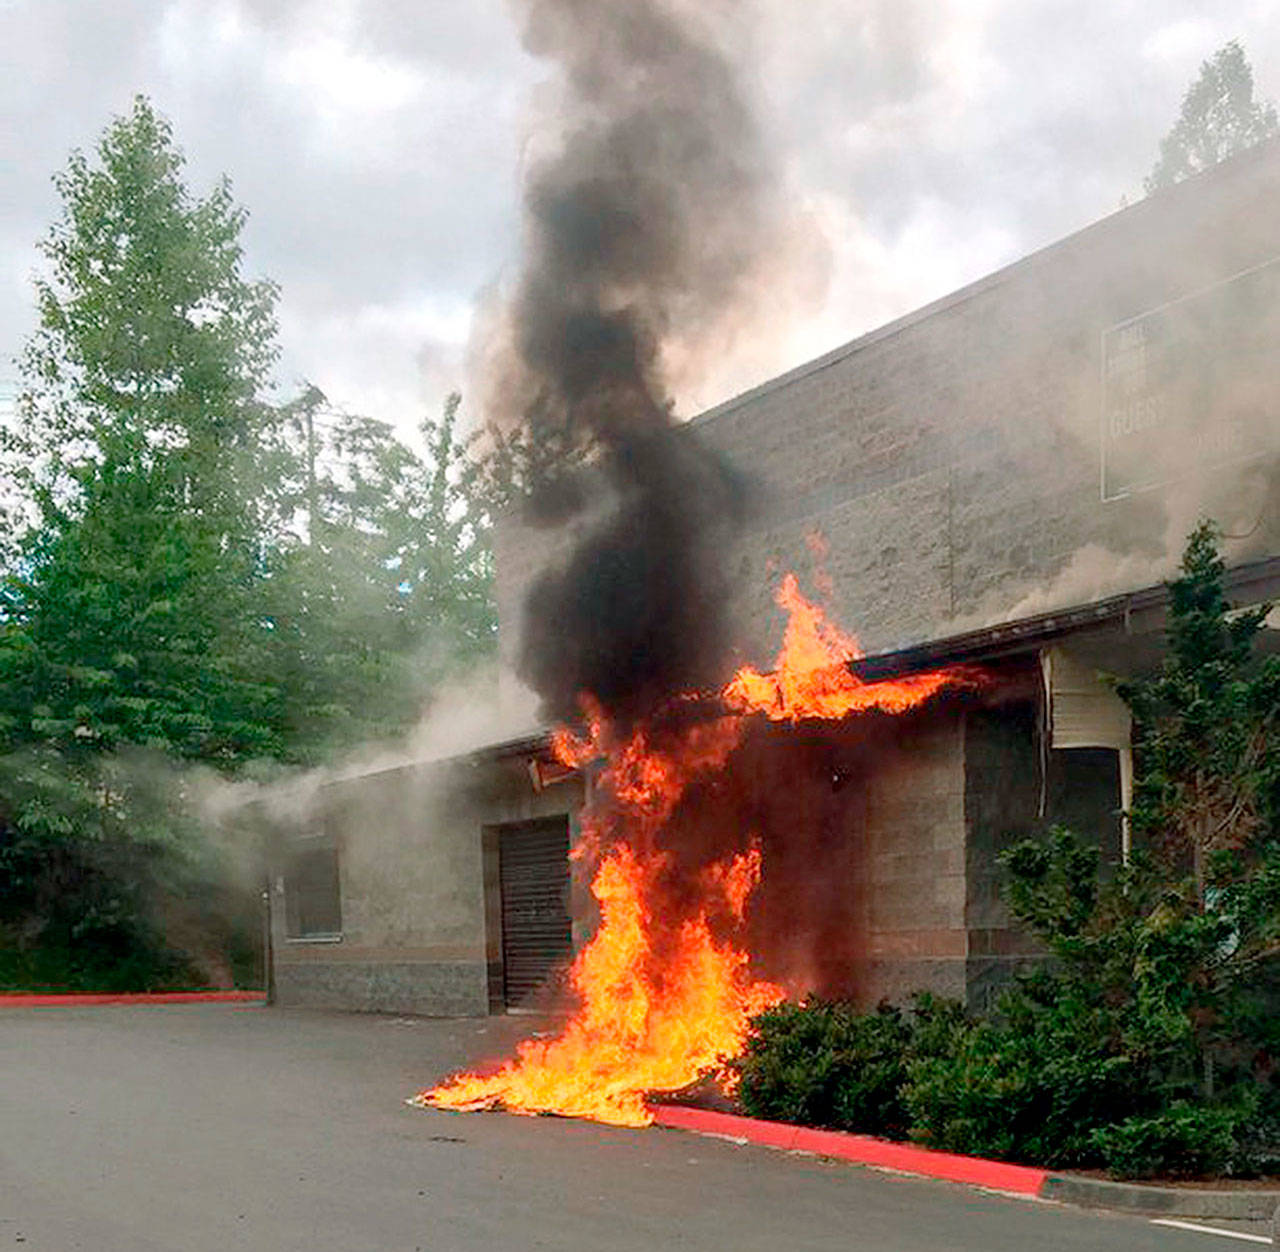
(533, 862)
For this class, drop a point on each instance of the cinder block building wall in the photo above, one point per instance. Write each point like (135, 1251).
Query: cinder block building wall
(405, 865)
(990, 458)
(985, 472)
(913, 862)
(954, 459)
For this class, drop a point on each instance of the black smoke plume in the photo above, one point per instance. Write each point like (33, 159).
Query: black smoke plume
(643, 226)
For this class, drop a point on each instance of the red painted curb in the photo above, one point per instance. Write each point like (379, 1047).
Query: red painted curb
(862, 1149)
(21, 1000)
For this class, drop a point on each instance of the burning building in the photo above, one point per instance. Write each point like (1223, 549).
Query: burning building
(1002, 481)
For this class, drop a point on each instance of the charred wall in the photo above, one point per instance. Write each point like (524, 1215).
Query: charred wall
(861, 827)
(1015, 789)
(881, 840)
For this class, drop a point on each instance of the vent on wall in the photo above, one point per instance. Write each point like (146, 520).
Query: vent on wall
(1083, 712)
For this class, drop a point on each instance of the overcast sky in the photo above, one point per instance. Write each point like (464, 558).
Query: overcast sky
(377, 146)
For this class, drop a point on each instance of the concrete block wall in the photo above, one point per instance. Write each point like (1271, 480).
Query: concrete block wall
(914, 860)
(952, 458)
(861, 827)
(414, 884)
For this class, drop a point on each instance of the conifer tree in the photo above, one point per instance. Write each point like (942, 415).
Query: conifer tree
(141, 452)
(1219, 118)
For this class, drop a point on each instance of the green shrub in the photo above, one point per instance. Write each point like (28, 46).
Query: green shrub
(109, 883)
(1183, 1141)
(1031, 1088)
(821, 1063)
(825, 1063)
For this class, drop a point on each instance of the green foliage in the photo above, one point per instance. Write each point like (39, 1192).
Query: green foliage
(1184, 1140)
(129, 616)
(1206, 795)
(1028, 1084)
(1219, 117)
(106, 882)
(197, 575)
(824, 1063)
(388, 588)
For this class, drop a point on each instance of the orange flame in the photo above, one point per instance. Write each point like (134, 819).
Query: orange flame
(812, 679)
(632, 1036)
(639, 1029)
(656, 1020)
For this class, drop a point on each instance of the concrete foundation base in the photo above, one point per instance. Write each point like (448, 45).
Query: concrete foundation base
(426, 989)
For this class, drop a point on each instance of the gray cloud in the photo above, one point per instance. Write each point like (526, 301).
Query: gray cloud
(378, 143)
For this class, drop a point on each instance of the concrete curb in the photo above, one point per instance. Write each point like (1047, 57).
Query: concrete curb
(22, 1000)
(1242, 1205)
(1126, 1197)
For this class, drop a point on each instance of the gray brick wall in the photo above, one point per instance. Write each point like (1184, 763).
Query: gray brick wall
(417, 933)
(952, 459)
(914, 860)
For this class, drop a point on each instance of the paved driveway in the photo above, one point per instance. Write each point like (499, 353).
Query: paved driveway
(213, 1127)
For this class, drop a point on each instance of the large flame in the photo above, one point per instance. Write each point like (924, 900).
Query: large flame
(662, 1003)
(811, 677)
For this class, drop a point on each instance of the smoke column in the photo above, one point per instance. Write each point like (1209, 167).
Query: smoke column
(645, 224)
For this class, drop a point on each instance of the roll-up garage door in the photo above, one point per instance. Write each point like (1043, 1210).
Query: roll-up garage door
(536, 930)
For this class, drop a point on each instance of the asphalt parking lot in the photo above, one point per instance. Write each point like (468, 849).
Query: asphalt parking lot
(182, 1128)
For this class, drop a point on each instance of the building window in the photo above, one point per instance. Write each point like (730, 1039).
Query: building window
(312, 895)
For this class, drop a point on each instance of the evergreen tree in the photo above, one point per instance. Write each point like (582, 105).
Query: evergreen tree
(131, 617)
(387, 588)
(155, 605)
(1219, 117)
(1210, 761)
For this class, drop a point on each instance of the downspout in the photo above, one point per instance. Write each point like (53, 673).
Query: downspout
(1126, 803)
(1126, 769)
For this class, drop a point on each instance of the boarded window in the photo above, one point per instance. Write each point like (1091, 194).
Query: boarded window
(313, 898)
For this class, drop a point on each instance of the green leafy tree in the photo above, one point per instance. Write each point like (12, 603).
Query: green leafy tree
(201, 575)
(107, 881)
(1219, 117)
